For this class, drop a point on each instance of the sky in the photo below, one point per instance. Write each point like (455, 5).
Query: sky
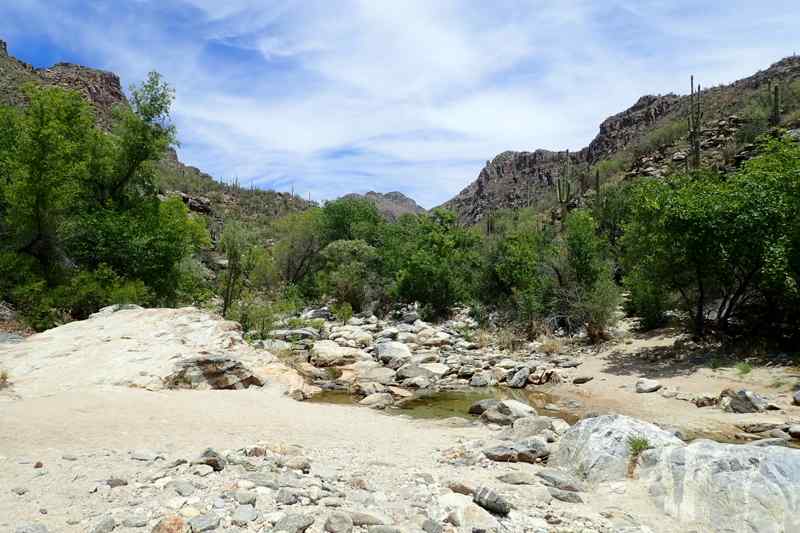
(326, 97)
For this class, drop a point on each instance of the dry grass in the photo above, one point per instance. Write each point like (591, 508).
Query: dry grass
(482, 338)
(507, 339)
(551, 345)
(5, 379)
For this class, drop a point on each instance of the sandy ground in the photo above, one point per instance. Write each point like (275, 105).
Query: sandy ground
(616, 369)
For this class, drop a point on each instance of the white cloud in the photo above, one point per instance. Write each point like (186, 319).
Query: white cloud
(412, 95)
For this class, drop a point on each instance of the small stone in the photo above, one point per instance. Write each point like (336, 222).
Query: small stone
(794, 431)
(31, 528)
(147, 456)
(366, 519)
(212, 459)
(520, 378)
(106, 525)
(135, 521)
(580, 380)
(480, 406)
(19, 491)
(245, 497)
(294, 523)
(491, 501)
(184, 488)
(429, 526)
(243, 515)
(644, 385)
(115, 482)
(339, 523)
(171, 524)
(796, 398)
(519, 478)
(565, 495)
(69, 457)
(384, 529)
(204, 522)
(461, 488)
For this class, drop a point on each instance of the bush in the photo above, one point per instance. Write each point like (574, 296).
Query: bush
(342, 311)
(647, 301)
(350, 273)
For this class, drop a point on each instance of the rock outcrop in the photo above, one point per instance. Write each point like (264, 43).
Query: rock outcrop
(391, 205)
(522, 179)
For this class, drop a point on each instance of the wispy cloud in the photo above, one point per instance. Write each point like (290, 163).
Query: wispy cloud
(330, 97)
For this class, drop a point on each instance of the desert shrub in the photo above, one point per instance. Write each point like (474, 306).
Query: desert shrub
(646, 300)
(350, 274)
(342, 311)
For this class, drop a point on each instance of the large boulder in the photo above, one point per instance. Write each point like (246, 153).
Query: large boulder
(328, 353)
(743, 401)
(598, 449)
(393, 354)
(726, 487)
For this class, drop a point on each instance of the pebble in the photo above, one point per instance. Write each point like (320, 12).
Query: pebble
(19, 491)
(204, 522)
(106, 525)
(339, 523)
(244, 514)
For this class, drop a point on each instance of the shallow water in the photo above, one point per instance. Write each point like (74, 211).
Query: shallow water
(455, 403)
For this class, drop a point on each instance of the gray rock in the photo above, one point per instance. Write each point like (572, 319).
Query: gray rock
(183, 488)
(245, 497)
(429, 526)
(288, 496)
(519, 478)
(384, 529)
(135, 521)
(565, 495)
(645, 385)
(794, 431)
(498, 414)
(481, 379)
(211, 458)
(31, 527)
(743, 401)
(339, 523)
(491, 501)
(19, 491)
(412, 371)
(106, 525)
(480, 406)
(244, 514)
(559, 479)
(204, 522)
(796, 398)
(147, 456)
(598, 448)
(726, 487)
(520, 378)
(580, 380)
(531, 449)
(380, 400)
(391, 353)
(502, 454)
(294, 523)
(361, 518)
(771, 442)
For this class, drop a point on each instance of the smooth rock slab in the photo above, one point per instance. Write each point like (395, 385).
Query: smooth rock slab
(294, 523)
(645, 385)
(339, 523)
(244, 514)
(597, 449)
(204, 522)
(31, 528)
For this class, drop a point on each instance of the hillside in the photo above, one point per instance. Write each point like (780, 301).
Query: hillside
(200, 191)
(392, 205)
(647, 139)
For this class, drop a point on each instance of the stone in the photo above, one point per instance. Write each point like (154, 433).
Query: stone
(429, 526)
(288, 496)
(705, 399)
(384, 529)
(171, 524)
(204, 522)
(361, 518)
(147, 456)
(135, 521)
(518, 409)
(726, 487)
(519, 478)
(378, 401)
(467, 515)
(339, 523)
(412, 371)
(392, 351)
(498, 414)
(244, 514)
(644, 385)
(529, 426)
(106, 525)
(520, 378)
(19, 491)
(211, 458)
(796, 398)
(482, 379)
(559, 479)
(328, 353)
(580, 380)
(565, 495)
(294, 523)
(502, 454)
(480, 406)
(794, 431)
(491, 501)
(437, 370)
(742, 401)
(245, 497)
(598, 447)
(31, 527)
(183, 488)
(532, 449)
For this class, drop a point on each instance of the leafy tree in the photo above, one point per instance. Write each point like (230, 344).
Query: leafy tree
(300, 241)
(350, 273)
(444, 267)
(351, 219)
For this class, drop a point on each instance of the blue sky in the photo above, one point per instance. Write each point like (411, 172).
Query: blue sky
(337, 96)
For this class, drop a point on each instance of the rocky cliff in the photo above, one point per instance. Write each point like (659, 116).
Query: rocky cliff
(646, 139)
(392, 205)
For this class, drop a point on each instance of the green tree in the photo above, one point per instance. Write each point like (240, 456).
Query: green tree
(350, 273)
(350, 219)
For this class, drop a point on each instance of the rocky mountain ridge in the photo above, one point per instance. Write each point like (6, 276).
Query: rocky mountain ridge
(645, 139)
(392, 204)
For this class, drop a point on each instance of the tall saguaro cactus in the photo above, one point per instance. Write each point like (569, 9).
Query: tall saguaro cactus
(563, 185)
(695, 118)
(775, 106)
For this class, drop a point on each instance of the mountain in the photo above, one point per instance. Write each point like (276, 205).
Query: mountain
(648, 139)
(391, 204)
(103, 90)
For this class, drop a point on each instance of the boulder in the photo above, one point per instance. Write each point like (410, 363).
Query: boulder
(328, 353)
(463, 513)
(491, 501)
(393, 354)
(726, 487)
(211, 372)
(645, 385)
(380, 400)
(438, 370)
(480, 406)
(742, 401)
(597, 448)
(520, 378)
(412, 371)
(796, 398)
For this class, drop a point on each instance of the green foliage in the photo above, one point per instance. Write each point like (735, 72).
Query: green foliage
(444, 266)
(350, 274)
(743, 368)
(80, 222)
(351, 219)
(342, 311)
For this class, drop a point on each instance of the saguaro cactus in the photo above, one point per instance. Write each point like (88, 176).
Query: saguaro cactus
(695, 117)
(775, 106)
